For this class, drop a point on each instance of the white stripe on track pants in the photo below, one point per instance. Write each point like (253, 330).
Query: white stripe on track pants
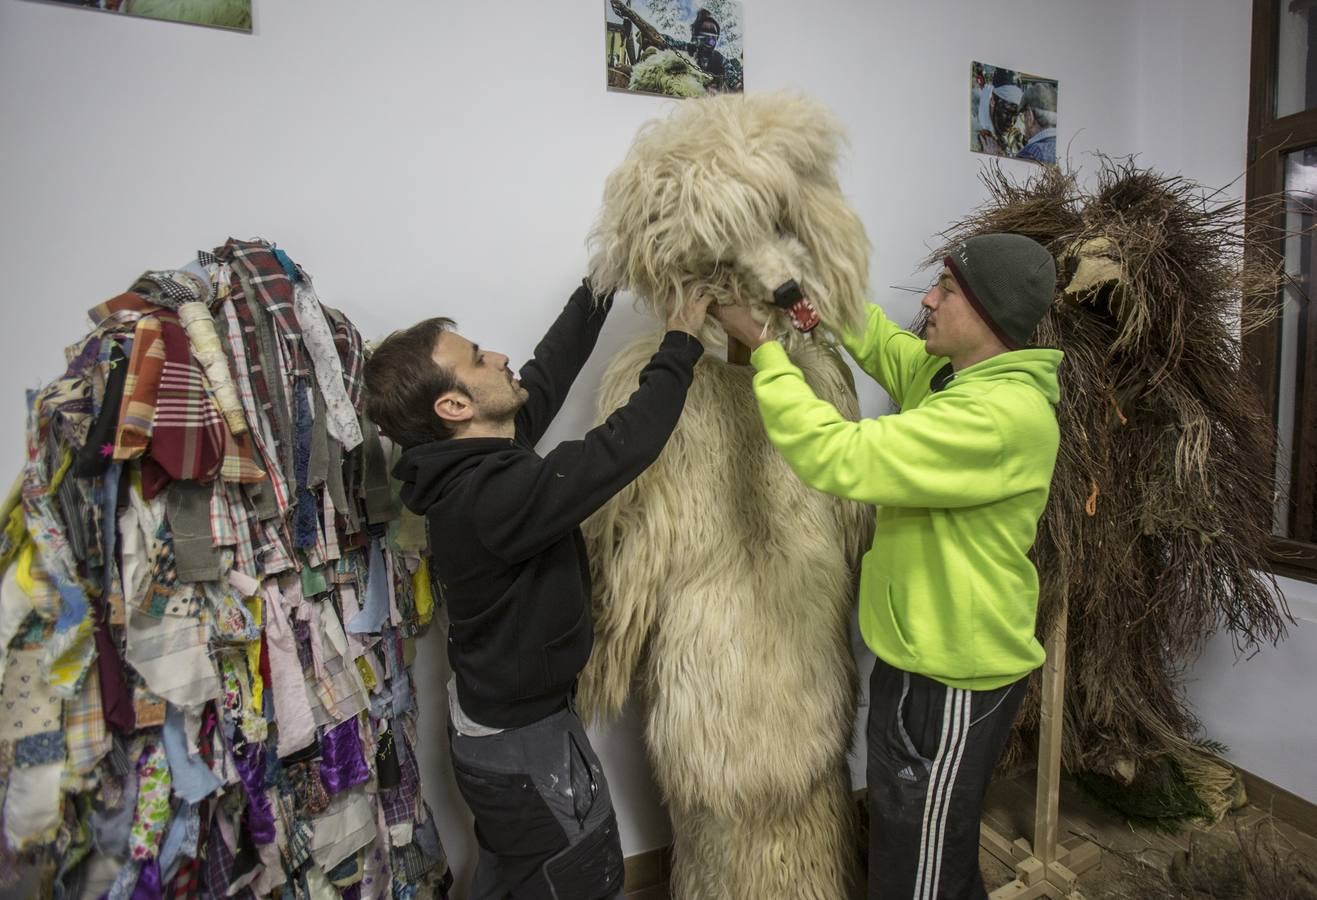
(932, 749)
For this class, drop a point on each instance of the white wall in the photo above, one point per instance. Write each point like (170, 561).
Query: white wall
(1191, 94)
(1261, 705)
(424, 158)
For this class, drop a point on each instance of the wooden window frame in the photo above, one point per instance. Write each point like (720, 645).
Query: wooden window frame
(1269, 140)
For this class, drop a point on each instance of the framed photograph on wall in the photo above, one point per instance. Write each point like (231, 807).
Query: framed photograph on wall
(674, 48)
(1012, 114)
(232, 14)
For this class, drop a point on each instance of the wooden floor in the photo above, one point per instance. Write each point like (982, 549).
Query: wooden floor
(1131, 858)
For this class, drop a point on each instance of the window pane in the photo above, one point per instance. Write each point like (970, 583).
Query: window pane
(1294, 427)
(1296, 66)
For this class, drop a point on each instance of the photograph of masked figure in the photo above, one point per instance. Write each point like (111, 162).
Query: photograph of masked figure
(674, 48)
(1012, 114)
(232, 14)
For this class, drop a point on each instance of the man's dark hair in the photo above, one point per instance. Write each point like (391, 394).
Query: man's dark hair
(403, 381)
(702, 23)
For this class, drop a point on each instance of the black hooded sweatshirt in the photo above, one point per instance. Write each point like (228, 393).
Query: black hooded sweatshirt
(506, 551)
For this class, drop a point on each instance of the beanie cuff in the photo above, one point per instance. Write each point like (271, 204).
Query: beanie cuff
(974, 301)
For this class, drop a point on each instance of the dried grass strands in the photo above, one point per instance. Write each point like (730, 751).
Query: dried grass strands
(1161, 502)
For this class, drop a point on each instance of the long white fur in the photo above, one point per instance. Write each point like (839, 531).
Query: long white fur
(705, 194)
(723, 591)
(723, 586)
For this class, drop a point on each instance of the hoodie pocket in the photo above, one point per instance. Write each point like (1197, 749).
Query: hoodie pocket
(895, 627)
(566, 654)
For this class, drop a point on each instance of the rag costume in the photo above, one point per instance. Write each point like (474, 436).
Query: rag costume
(206, 630)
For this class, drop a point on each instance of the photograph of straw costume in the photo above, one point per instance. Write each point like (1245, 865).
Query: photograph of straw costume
(673, 48)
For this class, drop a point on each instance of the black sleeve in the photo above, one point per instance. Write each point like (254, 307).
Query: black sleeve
(535, 502)
(558, 359)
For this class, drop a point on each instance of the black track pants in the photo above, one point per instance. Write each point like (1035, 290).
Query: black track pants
(932, 749)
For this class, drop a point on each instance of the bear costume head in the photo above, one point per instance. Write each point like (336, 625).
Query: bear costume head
(734, 195)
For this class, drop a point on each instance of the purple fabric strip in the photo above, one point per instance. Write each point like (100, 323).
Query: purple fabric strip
(148, 882)
(342, 762)
(250, 759)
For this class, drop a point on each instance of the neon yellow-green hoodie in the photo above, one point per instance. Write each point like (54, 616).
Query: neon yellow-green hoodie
(960, 477)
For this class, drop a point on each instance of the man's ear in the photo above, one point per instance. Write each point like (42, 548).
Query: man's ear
(454, 407)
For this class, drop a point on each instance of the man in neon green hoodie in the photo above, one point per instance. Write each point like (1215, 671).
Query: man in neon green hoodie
(948, 595)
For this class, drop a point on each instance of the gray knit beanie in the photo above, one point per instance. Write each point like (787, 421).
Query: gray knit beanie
(1010, 281)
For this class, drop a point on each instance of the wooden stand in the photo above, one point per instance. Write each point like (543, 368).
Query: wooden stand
(1048, 867)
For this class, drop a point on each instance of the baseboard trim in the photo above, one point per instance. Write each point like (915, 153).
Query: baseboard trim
(1289, 808)
(647, 875)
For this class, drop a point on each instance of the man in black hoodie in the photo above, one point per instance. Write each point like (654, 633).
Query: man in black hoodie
(508, 560)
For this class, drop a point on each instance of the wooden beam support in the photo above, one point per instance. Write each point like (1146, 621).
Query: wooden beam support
(1046, 867)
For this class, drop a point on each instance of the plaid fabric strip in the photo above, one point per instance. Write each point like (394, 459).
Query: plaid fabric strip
(245, 557)
(222, 531)
(145, 366)
(258, 426)
(188, 433)
(121, 310)
(251, 375)
(85, 733)
(399, 803)
(242, 457)
(270, 282)
(300, 832)
(348, 341)
(265, 358)
(229, 526)
(275, 553)
(187, 881)
(170, 289)
(411, 863)
(219, 865)
(231, 336)
(396, 806)
(239, 462)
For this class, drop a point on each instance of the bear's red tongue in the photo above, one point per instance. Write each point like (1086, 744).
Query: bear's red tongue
(804, 317)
